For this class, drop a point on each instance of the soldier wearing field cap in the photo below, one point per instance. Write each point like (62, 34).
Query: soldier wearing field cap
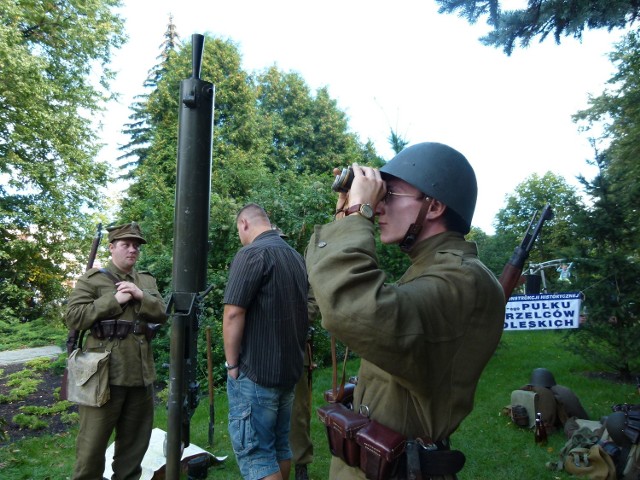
(424, 340)
(120, 309)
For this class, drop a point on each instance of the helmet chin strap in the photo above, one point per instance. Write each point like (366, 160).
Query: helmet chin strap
(415, 228)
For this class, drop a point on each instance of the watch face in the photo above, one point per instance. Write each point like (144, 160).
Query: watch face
(366, 211)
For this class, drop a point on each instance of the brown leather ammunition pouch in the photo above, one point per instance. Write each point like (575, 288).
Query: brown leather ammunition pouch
(123, 328)
(149, 330)
(104, 329)
(380, 449)
(342, 424)
(109, 329)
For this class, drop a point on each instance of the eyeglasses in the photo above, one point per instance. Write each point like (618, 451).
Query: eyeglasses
(389, 195)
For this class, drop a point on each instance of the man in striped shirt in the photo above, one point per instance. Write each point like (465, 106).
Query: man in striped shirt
(265, 326)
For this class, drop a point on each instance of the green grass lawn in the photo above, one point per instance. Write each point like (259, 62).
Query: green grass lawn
(494, 447)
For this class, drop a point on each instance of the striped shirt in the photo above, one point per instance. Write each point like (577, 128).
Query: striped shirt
(268, 278)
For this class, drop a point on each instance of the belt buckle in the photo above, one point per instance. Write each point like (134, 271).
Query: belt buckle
(426, 444)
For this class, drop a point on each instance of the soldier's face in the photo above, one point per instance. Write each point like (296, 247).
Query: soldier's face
(398, 210)
(125, 253)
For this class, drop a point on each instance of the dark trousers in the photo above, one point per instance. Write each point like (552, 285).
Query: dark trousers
(130, 413)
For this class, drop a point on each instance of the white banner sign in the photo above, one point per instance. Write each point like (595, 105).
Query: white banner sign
(543, 312)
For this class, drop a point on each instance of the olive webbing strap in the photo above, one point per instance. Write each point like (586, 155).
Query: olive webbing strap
(80, 337)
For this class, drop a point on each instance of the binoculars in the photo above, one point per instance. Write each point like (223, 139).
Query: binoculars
(343, 181)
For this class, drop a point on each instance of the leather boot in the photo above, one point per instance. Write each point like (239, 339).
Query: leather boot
(301, 472)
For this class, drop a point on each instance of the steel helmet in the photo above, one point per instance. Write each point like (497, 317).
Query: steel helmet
(615, 424)
(440, 172)
(541, 377)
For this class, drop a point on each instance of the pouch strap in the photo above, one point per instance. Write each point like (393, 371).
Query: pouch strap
(80, 337)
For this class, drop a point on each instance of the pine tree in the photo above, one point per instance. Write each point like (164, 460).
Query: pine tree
(541, 18)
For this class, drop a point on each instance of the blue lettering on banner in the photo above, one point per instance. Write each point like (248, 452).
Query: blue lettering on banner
(543, 312)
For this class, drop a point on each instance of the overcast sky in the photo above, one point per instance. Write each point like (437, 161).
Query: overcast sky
(399, 65)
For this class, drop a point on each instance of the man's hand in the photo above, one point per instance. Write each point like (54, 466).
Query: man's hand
(343, 198)
(125, 291)
(367, 187)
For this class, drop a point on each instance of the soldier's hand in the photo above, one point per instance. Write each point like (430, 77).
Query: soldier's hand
(130, 288)
(343, 198)
(122, 298)
(367, 187)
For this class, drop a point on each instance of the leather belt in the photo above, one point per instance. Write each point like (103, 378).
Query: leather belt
(111, 328)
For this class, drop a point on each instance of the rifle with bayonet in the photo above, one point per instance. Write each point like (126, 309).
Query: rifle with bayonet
(73, 335)
(512, 272)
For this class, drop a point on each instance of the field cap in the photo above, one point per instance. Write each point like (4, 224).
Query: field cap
(128, 230)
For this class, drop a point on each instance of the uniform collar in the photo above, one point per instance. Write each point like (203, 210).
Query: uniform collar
(452, 240)
(119, 273)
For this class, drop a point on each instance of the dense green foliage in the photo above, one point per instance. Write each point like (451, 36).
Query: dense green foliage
(541, 18)
(53, 77)
(609, 254)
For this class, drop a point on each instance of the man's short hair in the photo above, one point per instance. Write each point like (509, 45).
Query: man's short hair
(454, 222)
(252, 211)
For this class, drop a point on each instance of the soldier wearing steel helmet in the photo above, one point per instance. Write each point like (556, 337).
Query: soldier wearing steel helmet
(120, 308)
(425, 339)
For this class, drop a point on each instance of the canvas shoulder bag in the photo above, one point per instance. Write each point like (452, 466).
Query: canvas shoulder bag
(88, 377)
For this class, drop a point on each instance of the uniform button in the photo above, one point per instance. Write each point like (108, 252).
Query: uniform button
(322, 244)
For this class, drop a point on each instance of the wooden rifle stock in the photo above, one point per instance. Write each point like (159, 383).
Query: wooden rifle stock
(512, 272)
(509, 279)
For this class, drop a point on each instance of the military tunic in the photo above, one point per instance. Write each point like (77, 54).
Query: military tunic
(423, 341)
(131, 361)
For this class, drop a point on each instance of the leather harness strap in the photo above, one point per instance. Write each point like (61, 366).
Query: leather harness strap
(110, 275)
(415, 228)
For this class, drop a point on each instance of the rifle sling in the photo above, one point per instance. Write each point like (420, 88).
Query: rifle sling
(110, 275)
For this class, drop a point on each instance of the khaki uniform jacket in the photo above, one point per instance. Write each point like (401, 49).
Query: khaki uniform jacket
(131, 362)
(423, 341)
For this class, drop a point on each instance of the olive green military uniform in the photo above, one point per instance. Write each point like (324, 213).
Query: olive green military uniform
(131, 373)
(423, 341)
(300, 433)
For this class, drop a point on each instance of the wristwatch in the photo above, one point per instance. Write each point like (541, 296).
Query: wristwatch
(363, 209)
(230, 367)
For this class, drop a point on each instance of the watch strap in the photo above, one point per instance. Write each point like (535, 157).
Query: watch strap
(359, 208)
(230, 367)
(352, 209)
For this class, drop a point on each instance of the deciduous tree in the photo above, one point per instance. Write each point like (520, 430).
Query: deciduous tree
(53, 80)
